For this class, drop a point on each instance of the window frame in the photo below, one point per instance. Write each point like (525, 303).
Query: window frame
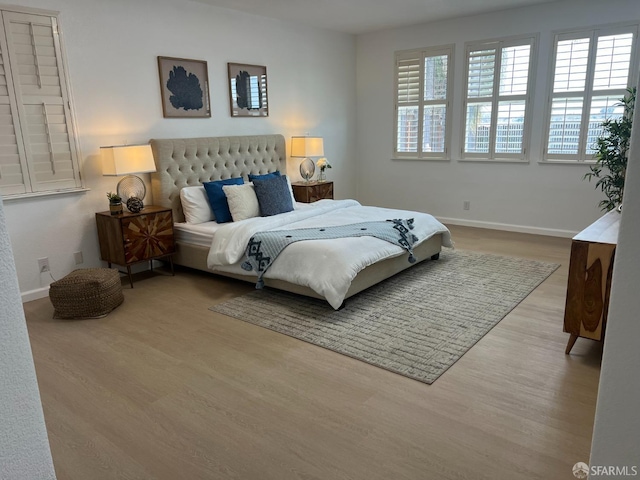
(593, 33)
(423, 53)
(499, 44)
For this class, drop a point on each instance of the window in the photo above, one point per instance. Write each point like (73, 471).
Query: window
(591, 74)
(496, 116)
(423, 92)
(37, 141)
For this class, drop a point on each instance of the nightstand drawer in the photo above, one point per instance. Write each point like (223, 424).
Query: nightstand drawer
(312, 191)
(147, 236)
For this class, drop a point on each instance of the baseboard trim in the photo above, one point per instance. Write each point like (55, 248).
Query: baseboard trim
(34, 294)
(552, 232)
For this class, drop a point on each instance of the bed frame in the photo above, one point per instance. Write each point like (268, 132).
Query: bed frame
(187, 162)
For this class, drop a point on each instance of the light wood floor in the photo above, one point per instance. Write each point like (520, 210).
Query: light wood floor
(163, 388)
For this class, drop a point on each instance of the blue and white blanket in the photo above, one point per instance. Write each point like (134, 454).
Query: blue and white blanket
(326, 266)
(264, 247)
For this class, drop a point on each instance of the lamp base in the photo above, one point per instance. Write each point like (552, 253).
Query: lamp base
(307, 169)
(131, 186)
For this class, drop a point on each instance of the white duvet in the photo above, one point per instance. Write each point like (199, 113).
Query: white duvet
(326, 266)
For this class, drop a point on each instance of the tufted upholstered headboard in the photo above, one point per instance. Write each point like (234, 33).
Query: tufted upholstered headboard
(184, 162)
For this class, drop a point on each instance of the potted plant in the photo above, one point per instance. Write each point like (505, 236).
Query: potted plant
(115, 203)
(322, 164)
(612, 148)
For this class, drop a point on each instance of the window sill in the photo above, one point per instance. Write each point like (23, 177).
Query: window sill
(493, 160)
(20, 196)
(567, 162)
(421, 159)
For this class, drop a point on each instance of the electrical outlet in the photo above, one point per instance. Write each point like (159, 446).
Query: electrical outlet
(43, 265)
(466, 205)
(78, 258)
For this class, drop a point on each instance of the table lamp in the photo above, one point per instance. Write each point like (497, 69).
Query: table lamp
(127, 160)
(307, 147)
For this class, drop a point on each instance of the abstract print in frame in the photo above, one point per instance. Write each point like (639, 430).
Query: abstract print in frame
(248, 90)
(184, 85)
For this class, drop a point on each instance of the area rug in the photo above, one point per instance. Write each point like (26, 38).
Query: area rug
(417, 323)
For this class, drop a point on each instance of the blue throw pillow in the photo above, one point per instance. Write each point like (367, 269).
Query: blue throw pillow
(218, 200)
(273, 195)
(253, 177)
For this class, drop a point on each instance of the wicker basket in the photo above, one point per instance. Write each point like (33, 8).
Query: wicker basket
(86, 293)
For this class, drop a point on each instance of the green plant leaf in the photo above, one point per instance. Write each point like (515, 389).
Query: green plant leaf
(611, 154)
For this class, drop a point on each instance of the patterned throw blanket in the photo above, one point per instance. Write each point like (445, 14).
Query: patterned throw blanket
(264, 247)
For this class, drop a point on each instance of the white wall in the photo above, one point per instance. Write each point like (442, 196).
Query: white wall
(531, 197)
(616, 435)
(24, 446)
(111, 50)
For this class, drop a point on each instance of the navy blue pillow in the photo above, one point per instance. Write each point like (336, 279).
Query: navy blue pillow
(217, 198)
(264, 176)
(273, 195)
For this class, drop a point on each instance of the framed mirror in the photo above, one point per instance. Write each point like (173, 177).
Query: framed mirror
(248, 90)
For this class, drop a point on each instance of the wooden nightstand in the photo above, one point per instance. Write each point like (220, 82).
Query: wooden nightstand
(131, 238)
(309, 192)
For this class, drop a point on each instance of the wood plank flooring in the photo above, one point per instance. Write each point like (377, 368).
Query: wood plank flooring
(165, 389)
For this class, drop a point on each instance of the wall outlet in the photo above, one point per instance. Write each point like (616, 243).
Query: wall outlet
(43, 265)
(78, 258)
(466, 205)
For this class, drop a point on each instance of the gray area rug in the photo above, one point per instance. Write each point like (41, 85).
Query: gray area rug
(417, 323)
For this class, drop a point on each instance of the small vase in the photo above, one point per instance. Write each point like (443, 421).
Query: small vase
(321, 176)
(116, 208)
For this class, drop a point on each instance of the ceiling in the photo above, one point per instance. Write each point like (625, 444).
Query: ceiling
(362, 16)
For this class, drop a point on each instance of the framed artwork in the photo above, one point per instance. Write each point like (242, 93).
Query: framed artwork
(248, 90)
(184, 86)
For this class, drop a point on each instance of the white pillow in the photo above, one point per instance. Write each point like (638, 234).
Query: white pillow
(242, 200)
(293, 197)
(195, 205)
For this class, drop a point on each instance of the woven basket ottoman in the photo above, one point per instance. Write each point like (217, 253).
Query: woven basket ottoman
(86, 293)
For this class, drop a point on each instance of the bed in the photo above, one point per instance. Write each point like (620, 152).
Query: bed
(192, 161)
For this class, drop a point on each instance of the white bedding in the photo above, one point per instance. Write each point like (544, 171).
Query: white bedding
(196, 234)
(326, 266)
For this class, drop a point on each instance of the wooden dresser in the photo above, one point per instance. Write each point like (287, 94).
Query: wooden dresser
(589, 282)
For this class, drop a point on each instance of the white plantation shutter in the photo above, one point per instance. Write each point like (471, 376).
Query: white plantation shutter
(44, 131)
(481, 72)
(423, 85)
(408, 101)
(13, 164)
(592, 70)
(408, 71)
(498, 86)
(613, 59)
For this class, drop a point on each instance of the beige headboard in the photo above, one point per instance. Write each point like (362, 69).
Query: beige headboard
(183, 162)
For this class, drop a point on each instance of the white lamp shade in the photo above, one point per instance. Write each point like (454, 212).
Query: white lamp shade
(307, 147)
(127, 159)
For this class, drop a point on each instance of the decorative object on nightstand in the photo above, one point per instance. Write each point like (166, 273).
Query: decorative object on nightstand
(127, 160)
(308, 192)
(322, 165)
(115, 203)
(307, 147)
(134, 205)
(132, 238)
